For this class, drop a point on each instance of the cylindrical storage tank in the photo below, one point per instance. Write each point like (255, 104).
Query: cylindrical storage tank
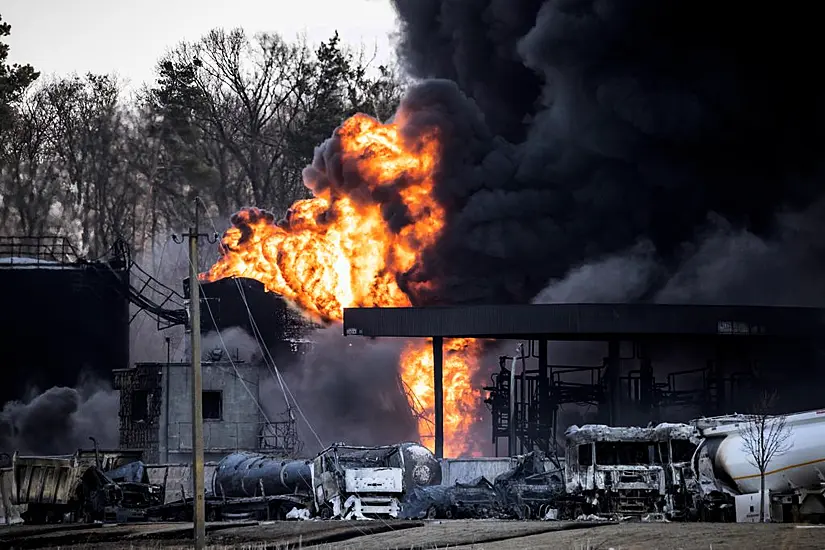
(241, 475)
(61, 322)
(278, 325)
(421, 467)
(797, 466)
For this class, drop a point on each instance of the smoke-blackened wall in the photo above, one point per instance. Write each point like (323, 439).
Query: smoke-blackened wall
(620, 122)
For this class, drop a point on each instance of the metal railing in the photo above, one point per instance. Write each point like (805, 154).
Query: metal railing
(54, 250)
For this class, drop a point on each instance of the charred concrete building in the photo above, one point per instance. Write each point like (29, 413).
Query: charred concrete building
(156, 398)
(156, 411)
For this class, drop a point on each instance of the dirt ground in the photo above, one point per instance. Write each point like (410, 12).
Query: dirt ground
(626, 536)
(456, 535)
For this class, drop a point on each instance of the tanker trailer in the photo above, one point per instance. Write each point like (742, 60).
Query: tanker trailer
(794, 479)
(368, 474)
(246, 475)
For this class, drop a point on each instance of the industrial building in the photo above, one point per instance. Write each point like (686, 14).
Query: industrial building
(156, 411)
(655, 358)
(156, 398)
(78, 313)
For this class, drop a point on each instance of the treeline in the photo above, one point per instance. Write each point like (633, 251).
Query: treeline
(230, 118)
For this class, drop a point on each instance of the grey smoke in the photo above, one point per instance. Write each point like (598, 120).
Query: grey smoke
(616, 278)
(61, 420)
(234, 340)
(349, 390)
(724, 265)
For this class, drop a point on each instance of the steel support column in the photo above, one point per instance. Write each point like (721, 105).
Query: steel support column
(647, 384)
(613, 390)
(438, 390)
(546, 404)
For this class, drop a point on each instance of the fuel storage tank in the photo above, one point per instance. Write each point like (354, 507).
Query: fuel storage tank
(283, 331)
(61, 318)
(799, 466)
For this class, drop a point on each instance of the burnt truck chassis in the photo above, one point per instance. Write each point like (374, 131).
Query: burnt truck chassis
(526, 491)
(85, 488)
(630, 472)
(76, 488)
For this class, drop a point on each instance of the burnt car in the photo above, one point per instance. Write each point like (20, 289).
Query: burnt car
(477, 499)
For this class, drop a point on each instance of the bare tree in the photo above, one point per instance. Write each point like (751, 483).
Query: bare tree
(94, 135)
(765, 437)
(240, 117)
(229, 102)
(27, 169)
(233, 119)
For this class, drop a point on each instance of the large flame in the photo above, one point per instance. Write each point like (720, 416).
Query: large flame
(337, 250)
(460, 397)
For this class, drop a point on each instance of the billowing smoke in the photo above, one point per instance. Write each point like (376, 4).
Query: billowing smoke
(235, 341)
(61, 420)
(350, 391)
(668, 129)
(604, 151)
(722, 265)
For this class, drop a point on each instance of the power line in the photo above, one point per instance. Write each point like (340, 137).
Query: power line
(264, 352)
(229, 355)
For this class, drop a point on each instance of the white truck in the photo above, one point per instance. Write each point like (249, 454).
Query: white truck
(794, 480)
(351, 482)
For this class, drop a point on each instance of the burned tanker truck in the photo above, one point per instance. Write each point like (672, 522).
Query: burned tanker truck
(700, 470)
(614, 471)
(343, 481)
(729, 484)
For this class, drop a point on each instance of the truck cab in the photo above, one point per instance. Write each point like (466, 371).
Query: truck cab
(631, 471)
(352, 482)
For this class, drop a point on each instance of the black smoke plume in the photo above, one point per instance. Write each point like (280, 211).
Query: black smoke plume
(674, 126)
(61, 420)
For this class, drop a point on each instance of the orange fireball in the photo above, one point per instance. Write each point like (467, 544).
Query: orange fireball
(338, 250)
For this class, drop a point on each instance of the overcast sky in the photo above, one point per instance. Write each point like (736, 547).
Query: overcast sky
(128, 36)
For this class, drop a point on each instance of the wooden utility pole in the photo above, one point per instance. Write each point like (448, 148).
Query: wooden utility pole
(198, 488)
(199, 516)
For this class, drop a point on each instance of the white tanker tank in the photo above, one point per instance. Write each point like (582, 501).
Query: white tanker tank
(723, 466)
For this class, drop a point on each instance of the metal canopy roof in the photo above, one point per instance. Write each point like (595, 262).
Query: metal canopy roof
(585, 321)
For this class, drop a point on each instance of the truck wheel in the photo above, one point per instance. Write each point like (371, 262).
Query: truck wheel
(431, 512)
